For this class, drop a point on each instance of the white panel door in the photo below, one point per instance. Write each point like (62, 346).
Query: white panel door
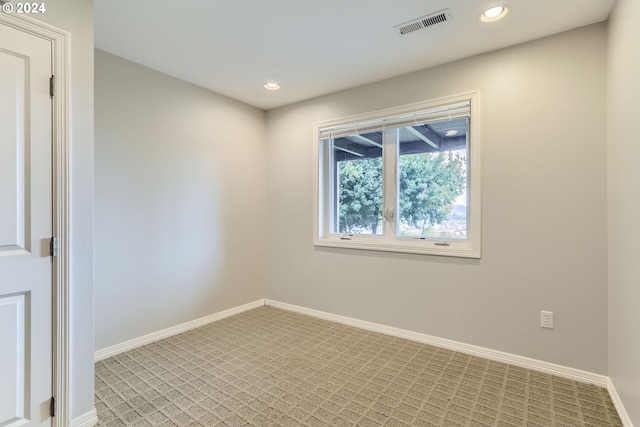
(26, 269)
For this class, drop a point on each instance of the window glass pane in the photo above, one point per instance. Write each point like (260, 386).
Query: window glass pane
(432, 180)
(357, 204)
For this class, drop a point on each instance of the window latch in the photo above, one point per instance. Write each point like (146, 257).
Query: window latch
(441, 243)
(346, 236)
(388, 214)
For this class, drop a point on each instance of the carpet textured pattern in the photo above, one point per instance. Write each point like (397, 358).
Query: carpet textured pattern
(270, 367)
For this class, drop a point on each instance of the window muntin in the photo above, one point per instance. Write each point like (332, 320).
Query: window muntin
(403, 179)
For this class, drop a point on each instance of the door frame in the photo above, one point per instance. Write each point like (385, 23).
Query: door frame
(61, 209)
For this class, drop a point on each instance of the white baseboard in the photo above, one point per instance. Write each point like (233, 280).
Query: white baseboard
(512, 359)
(617, 402)
(155, 336)
(88, 419)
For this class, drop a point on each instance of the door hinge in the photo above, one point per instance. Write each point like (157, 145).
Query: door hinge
(53, 246)
(52, 407)
(52, 86)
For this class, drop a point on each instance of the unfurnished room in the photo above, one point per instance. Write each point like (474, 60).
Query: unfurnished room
(319, 213)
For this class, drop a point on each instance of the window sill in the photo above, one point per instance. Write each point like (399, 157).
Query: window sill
(410, 246)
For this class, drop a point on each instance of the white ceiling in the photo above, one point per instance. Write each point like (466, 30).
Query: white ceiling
(315, 47)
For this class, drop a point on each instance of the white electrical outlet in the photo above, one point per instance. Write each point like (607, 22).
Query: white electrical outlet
(546, 319)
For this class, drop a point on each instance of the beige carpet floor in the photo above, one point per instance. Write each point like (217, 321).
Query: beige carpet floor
(270, 367)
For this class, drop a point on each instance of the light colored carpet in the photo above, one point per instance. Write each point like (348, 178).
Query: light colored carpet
(270, 367)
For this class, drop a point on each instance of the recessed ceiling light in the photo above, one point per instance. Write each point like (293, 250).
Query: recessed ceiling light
(271, 86)
(451, 132)
(494, 13)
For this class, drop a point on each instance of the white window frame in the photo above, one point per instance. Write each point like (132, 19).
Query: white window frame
(322, 235)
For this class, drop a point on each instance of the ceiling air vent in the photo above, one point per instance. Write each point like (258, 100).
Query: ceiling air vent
(423, 22)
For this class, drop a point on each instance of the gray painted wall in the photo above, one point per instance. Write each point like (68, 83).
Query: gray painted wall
(76, 17)
(543, 130)
(180, 200)
(624, 204)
